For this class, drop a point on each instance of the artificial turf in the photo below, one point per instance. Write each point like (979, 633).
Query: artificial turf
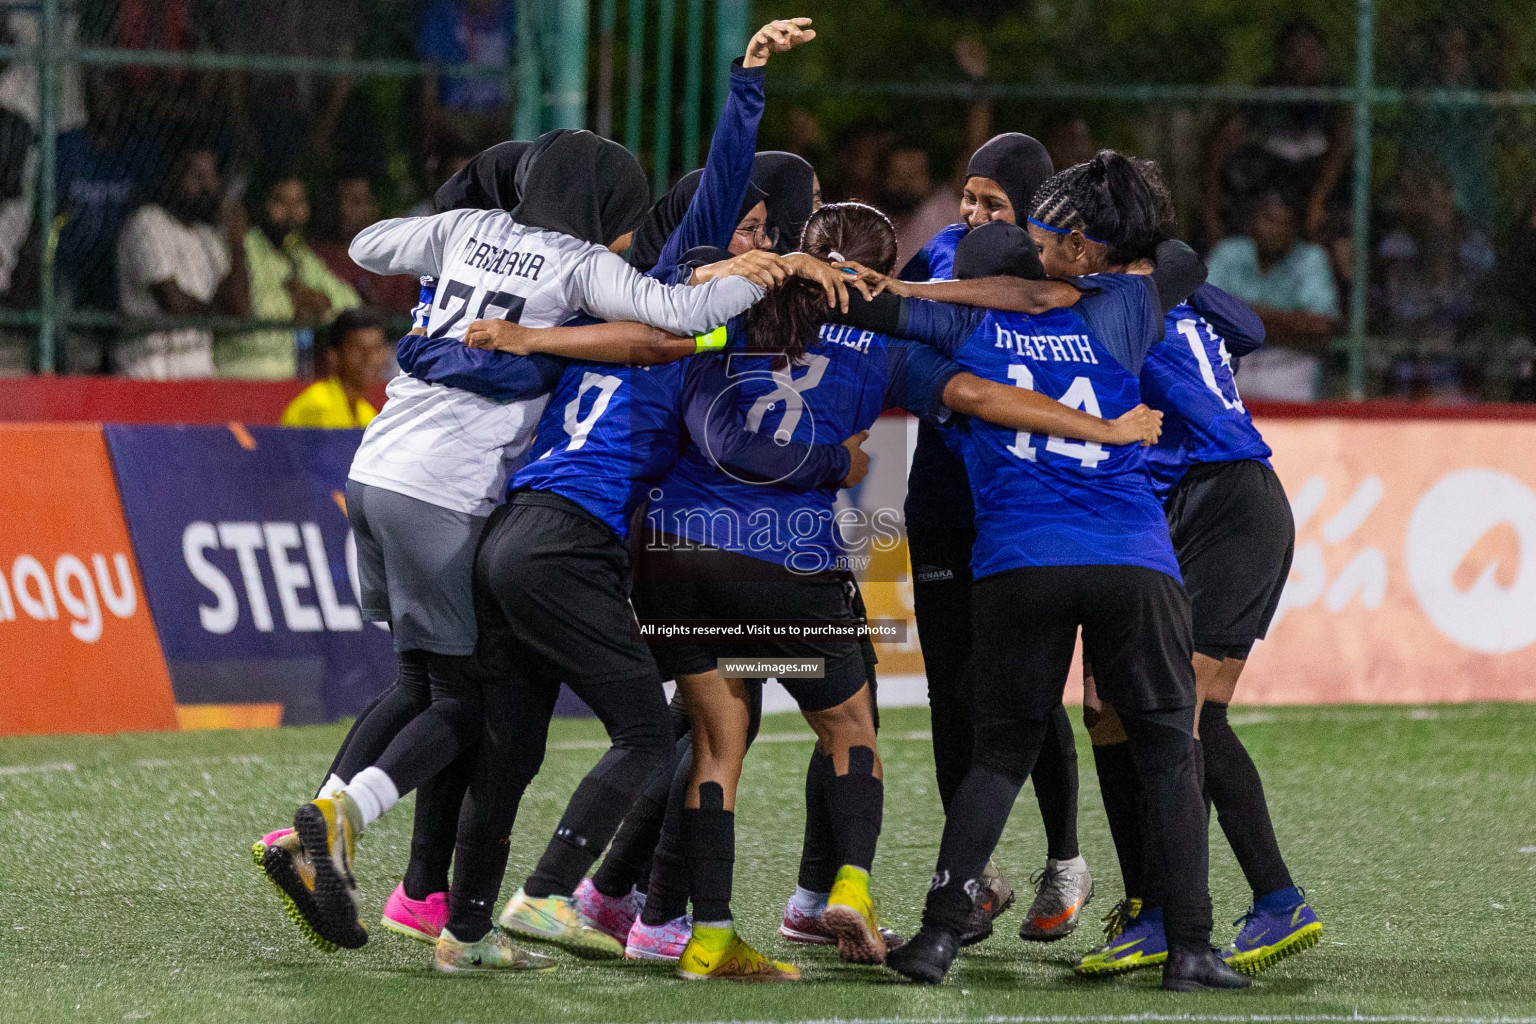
(127, 891)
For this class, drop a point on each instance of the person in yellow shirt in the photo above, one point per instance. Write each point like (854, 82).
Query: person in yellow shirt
(351, 359)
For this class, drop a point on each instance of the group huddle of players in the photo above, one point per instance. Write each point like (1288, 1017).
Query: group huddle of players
(580, 437)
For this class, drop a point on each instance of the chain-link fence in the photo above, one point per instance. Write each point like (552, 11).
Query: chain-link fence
(179, 178)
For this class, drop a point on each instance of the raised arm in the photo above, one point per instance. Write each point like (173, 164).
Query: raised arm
(408, 245)
(711, 215)
(718, 427)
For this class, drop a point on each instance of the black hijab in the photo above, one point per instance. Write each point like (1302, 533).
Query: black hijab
(1016, 162)
(790, 183)
(998, 249)
(581, 185)
(487, 182)
(665, 217)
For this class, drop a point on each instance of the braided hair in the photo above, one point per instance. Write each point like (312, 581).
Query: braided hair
(1114, 200)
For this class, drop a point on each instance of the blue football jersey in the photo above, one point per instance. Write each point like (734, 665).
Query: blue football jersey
(1048, 500)
(936, 260)
(837, 388)
(609, 431)
(1189, 377)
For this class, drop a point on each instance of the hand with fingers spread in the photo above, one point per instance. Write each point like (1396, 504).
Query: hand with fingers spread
(759, 266)
(876, 281)
(858, 459)
(501, 335)
(777, 37)
(832, 281)
(1142, 424)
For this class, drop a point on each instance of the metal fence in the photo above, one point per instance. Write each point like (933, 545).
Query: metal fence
(578, 63)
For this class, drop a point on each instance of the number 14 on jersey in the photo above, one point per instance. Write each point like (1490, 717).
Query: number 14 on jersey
(1079, 396)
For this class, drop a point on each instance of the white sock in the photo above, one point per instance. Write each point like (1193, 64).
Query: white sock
(331, 786)
(373, 792)
(727, 923)
(807, 901)
(1076, 863)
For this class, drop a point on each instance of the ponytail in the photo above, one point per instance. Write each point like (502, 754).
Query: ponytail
(789, 317)
(1112, 199)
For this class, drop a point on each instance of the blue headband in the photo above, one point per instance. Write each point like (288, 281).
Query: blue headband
(1042, 225)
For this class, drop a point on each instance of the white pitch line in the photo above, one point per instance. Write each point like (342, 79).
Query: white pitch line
(36, 769)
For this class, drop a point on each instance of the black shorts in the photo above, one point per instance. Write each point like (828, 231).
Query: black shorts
(1136, 634)
(1233, 533)
(676, 580)
(552, 595)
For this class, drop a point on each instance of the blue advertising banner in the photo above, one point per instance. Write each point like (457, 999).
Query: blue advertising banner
(250, 567)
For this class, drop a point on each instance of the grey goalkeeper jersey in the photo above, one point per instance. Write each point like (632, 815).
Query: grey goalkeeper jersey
(453, 448)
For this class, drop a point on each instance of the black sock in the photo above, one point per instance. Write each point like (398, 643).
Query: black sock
(1121, 791)
(818, 853)
(477, 873)
(1232, 783)
(1055, 778)
(666, 894)
(709, 832)
(858, 809)
(437, 820)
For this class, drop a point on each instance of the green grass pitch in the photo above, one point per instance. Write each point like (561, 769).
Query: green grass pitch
(128, 893)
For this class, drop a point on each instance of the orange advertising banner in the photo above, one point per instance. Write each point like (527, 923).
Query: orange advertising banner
(1414, 578)
(81, 653)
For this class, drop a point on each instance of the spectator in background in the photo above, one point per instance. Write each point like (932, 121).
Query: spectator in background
(1301, 150)
(349, 362)
(182, 256)
(1289, 283)
(105, 171)
(1429, 270)
(355, 208)
(288, 282)
(1066, 138)
(1459, 135)
(917, 207)
(466, 32)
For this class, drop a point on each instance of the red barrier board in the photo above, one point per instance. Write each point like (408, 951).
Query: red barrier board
(119, 400)
(81, 653)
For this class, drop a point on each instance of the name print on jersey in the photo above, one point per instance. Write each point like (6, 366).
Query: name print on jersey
(1061, 348)
(493, 259)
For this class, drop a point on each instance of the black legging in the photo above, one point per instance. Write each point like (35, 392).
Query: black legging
(1137, 634)
(450, 725)
(941, 604)
(437, 804)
